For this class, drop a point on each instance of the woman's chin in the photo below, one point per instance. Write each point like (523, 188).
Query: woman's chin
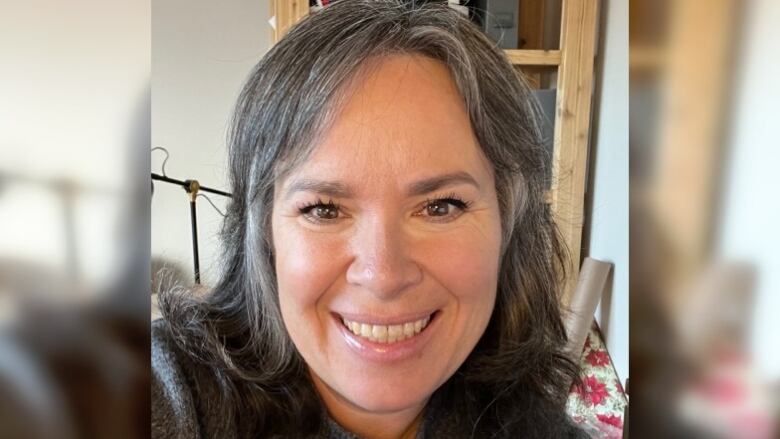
(388, 405)
(387, 399)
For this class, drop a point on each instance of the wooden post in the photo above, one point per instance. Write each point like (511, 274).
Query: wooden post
(572, 126)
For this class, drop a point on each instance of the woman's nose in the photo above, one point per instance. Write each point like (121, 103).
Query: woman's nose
(383, 262)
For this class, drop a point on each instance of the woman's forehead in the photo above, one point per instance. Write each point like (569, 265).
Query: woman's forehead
(400, 121)
(401, 92)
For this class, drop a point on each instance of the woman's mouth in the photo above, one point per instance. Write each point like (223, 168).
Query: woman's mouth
(386, 333)
(388, 339)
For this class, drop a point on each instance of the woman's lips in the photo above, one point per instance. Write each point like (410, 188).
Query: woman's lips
(386, 342)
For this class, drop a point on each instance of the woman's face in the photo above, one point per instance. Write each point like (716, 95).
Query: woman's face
(387, 240)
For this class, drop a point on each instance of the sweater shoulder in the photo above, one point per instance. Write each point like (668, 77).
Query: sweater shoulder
(185, 395)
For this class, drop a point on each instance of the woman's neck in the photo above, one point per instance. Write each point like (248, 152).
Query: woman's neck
(402, 424)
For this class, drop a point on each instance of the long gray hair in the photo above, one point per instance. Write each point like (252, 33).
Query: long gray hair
(288, 100)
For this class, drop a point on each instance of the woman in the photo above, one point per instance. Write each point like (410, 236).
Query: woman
(390, 267)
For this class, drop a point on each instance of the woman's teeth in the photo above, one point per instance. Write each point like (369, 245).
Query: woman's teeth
(386, 333)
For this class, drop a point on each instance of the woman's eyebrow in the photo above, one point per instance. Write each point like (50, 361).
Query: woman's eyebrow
(337, 189)
(435, 183)
(334, 189)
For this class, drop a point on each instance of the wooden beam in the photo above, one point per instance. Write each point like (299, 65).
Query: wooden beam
(572, 126)
(530, 34)
(530, 28)
(534, 57)
(287, 13)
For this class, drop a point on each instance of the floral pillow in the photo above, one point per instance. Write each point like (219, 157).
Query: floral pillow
(598, 402)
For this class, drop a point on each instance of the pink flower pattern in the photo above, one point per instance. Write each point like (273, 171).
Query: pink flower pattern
(615, 421)
(592, 390)
(598, 401)
(597, 358)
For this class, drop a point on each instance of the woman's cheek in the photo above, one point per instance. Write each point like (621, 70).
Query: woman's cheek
(465, 262)
(307, 263)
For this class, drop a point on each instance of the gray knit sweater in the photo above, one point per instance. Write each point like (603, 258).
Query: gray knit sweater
(185, 394)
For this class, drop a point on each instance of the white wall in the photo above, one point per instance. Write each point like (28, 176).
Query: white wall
(202, 51)
(608, 185)
(70, 109)
(751, 216)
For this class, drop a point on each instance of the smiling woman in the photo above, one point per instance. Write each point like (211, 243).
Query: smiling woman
(391, 269)
(386, 287)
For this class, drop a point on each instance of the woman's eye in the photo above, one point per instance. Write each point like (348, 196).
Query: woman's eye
(321, 212)
(326, 212)
(438, 208)
(445, 208)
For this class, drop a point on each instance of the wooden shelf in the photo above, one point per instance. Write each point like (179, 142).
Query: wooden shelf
(534, 57)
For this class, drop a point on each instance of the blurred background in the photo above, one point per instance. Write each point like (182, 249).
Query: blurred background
(74, 218)
(79, 227)
(705, 273)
